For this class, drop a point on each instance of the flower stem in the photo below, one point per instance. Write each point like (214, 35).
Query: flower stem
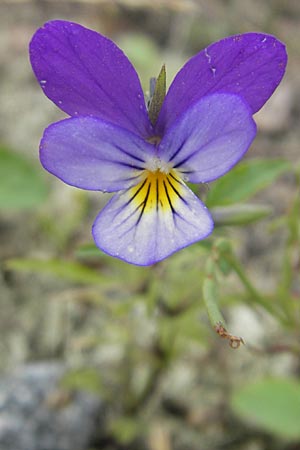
(210, 294)
(254, 295)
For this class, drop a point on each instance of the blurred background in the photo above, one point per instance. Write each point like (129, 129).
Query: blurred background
(97, 354)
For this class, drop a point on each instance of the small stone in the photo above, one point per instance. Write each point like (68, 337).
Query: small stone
(31, 420)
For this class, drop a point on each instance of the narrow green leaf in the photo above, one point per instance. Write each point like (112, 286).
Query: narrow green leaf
(68, 270)
(239, 214)
(90, 251)
(158, 96)
(245, 180)
(22, 185)
(272, 405)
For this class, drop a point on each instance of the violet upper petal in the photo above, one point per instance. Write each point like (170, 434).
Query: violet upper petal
(84, 73)
(251, 65)
(209, 138)
(89, 153)
(149, 222)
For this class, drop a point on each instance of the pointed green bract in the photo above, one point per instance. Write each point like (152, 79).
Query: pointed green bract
(158, 96)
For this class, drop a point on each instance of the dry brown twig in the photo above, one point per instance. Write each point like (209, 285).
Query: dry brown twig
(234, 341)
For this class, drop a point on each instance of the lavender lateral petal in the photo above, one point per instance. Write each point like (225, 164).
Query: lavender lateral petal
(89, 153)
(124, 231)
(209, 138)
(84, 73)
(251, 65)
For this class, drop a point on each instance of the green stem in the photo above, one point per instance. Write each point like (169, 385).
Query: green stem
(210, 294)
(288, 270)
(254, 295)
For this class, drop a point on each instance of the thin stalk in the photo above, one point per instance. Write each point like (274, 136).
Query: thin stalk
(288, 270)
(254, 295)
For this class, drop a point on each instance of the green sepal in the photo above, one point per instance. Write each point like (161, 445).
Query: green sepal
(158, 96)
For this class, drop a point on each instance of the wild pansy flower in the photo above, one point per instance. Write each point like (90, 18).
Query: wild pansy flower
(111, 143)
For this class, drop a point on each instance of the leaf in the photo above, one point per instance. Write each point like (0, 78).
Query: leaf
(272, 405)
(68, 270)
(90, 251)
(245, 180)
(124, 274)
(22, 185)
(241, 214)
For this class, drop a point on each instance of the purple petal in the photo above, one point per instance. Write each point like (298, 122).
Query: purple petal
(89, 153)
(149, 222)
(251, 65)
(209, 138)
(84, 73)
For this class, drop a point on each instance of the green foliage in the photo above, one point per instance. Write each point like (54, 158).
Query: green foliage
(236, 215)
(245, 180)
(272, 405)
(68, 270)
(138, 337)
(139, 323)
(22, 185)
(90, 251)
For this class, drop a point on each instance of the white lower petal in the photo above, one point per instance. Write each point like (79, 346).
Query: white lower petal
(149, 222)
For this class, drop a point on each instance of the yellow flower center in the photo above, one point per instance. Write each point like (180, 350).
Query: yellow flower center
(158, 190)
